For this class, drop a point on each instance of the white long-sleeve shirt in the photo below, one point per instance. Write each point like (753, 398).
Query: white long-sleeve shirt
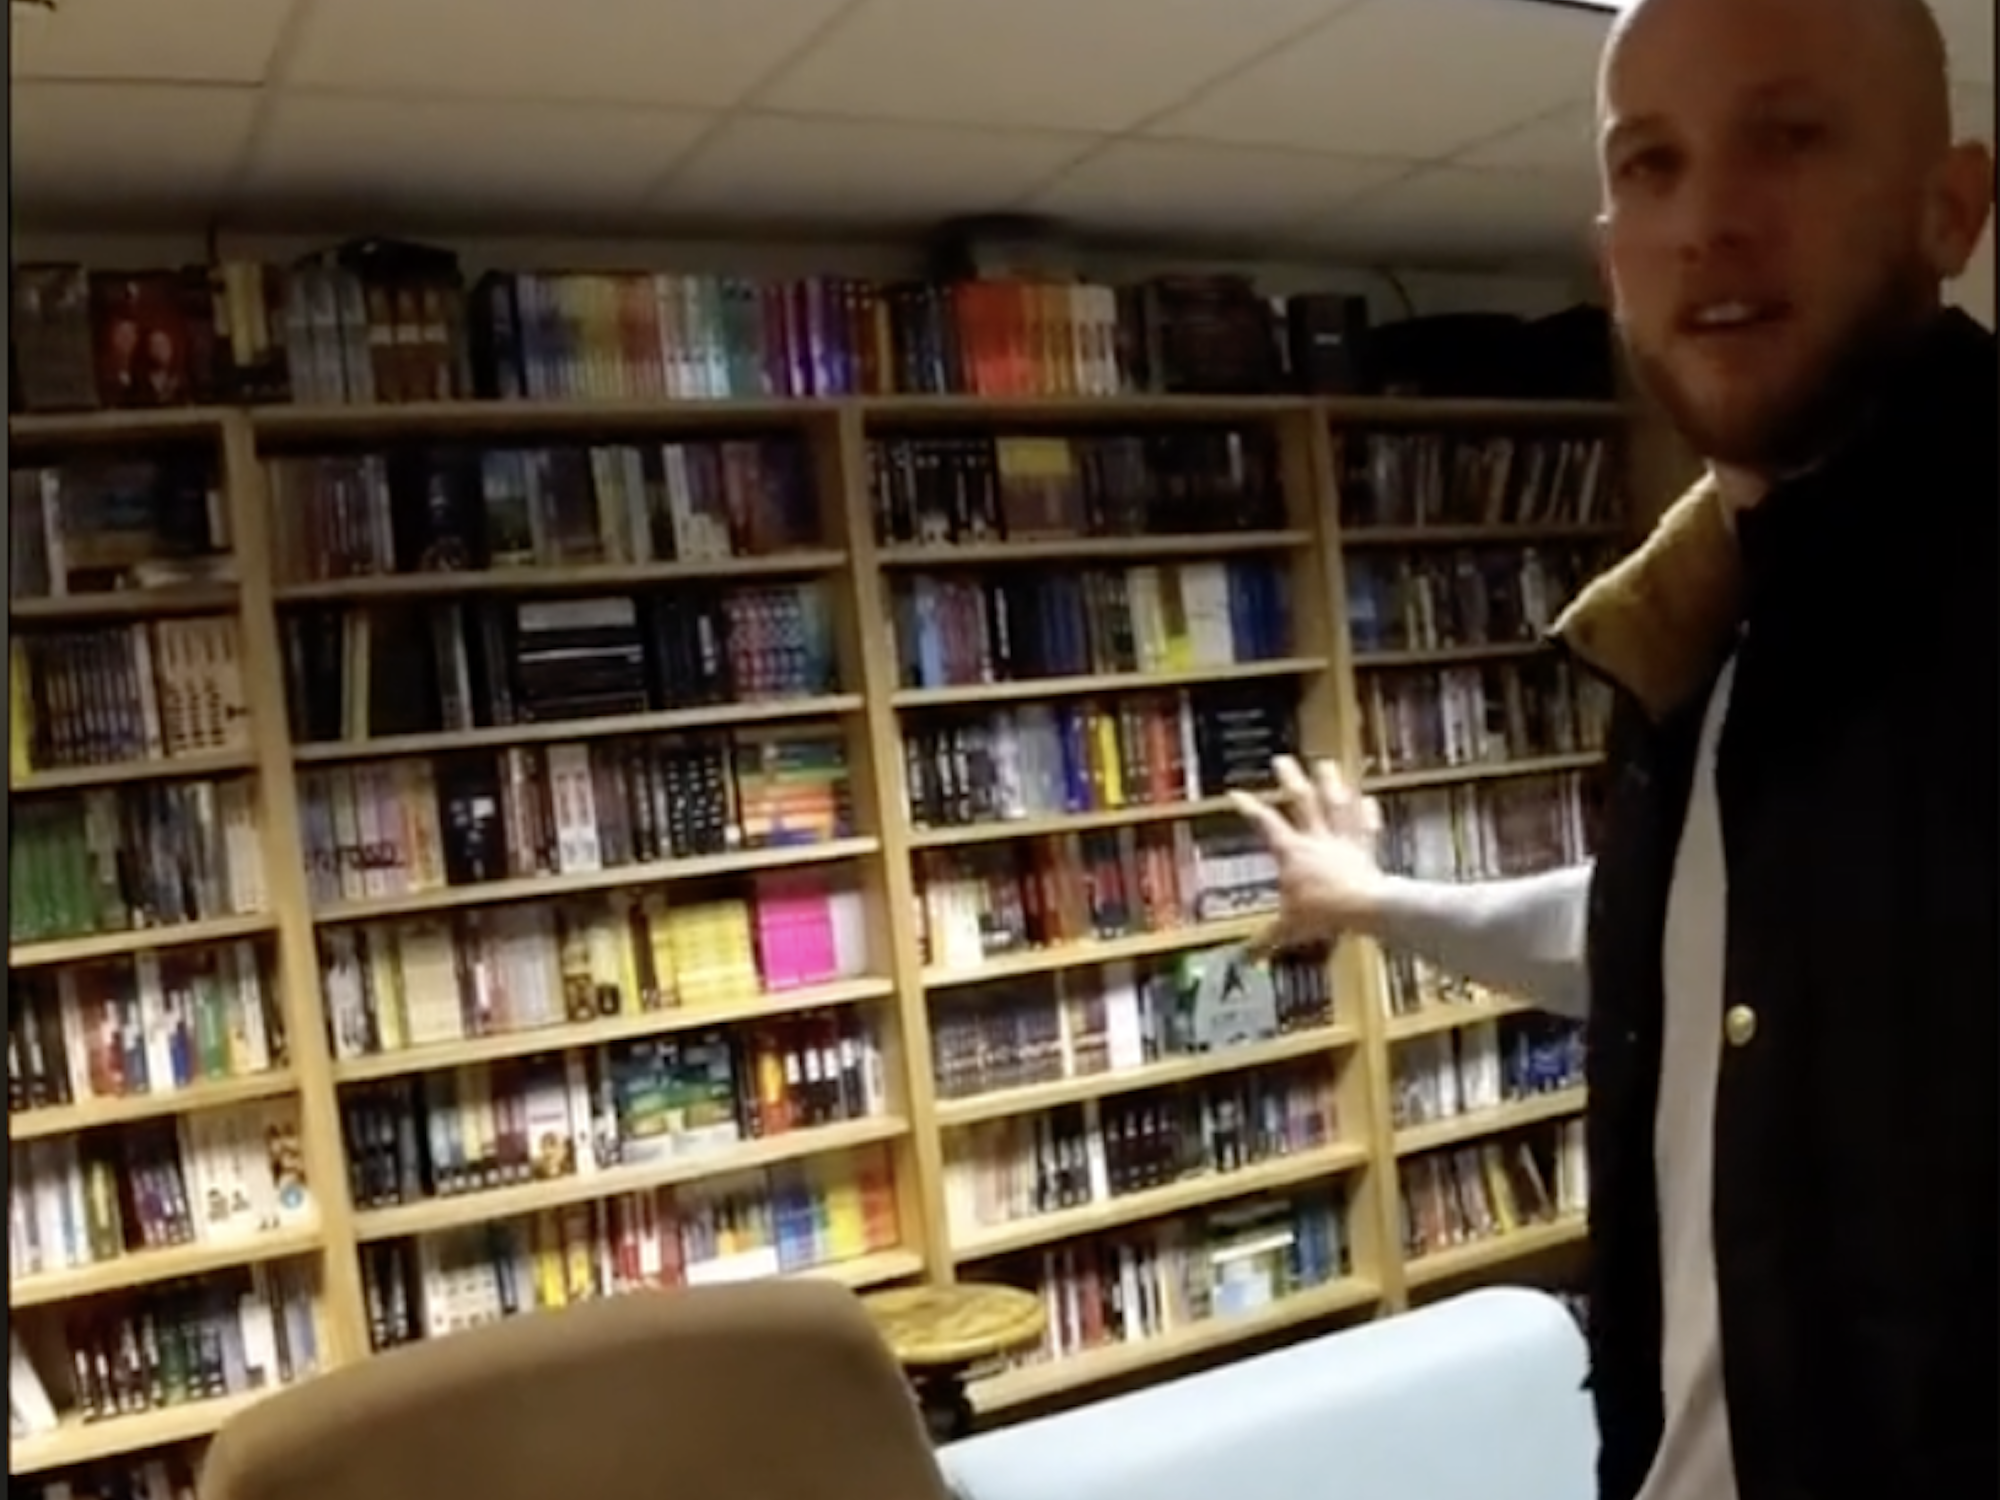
(1527, 937)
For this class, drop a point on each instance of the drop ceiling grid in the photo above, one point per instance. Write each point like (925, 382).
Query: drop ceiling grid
(219, 42)
(1034, 74)
(1318, 124)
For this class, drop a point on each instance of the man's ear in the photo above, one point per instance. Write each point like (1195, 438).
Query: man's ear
(1961, 204)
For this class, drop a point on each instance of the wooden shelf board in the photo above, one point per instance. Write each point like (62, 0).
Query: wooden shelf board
(119, 773)
(78, 1442)
(1093, 952)
(1345, 411)
(1061, 823)
(461, 1209)
(610, 726)
(1155, 1203)
(579, 577)
(1476, 1124)
(78, 950)
(127, 604)
(1478, 411)
(1435, 1018)
(1504, 535)
(872, 1269)
(284, 424)
(549, 887)
(1091, 548)
(90, 1114)
(1002, 1103)
(1447, 656)
(128, 425)
(1110, 682)
(990, 411)
(1495, 1251)
(148, 1267)
(1509, 770)
(1038, 1382)
(563, 1036)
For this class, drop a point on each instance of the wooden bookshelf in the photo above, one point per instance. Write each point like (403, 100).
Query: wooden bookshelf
(1475, 1124)
(506, 1202)
(873, 711)
(76, 1442)
(1023, 1099)
(1487, 1256)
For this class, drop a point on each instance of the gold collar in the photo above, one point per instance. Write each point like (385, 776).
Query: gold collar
(1659, 623)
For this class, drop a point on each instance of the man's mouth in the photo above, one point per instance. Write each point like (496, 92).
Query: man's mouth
(1711, 319)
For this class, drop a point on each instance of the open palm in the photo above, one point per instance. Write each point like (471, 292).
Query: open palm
(1328, 879)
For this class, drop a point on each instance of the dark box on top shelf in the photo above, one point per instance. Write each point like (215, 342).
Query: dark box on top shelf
(1494, 355)
(1198, 335)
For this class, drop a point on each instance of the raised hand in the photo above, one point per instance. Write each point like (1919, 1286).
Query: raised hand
(1328, 879)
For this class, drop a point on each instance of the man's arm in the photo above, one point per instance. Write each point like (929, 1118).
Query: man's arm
(1522, 937)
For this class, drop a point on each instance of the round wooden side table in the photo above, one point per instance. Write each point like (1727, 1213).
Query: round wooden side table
(938, 1333)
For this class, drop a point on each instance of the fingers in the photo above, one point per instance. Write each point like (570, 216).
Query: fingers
(1336, 801)
(1265, 818)
(1302, 794)
(1326, 804)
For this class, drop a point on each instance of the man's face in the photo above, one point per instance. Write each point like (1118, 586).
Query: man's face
(1764, 213)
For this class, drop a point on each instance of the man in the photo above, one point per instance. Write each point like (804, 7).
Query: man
(1786, 947)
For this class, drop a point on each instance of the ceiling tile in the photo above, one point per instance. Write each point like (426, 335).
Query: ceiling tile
(766, 167)
(185, 41)
(1429, 76)
(1056, 64)
(697, 53)
(420, 163)
(1178, 188)
(1471, 216)
(1563, 140)
(142, 150)
(1968, 32)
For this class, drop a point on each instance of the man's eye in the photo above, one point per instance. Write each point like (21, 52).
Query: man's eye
(1641, 166)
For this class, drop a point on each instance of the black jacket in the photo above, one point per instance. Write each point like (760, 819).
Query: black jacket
(1857, 1137)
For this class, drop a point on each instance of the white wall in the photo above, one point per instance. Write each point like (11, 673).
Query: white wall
(1974, 290)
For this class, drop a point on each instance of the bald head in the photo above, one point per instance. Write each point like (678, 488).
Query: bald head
(1898, 41)
(1782, 200)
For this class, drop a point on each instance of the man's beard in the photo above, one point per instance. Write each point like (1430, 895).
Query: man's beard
(1790, 429)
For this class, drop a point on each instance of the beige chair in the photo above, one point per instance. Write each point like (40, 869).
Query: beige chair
(767, 1391)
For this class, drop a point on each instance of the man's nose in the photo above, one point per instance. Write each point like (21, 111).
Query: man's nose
(1719, 206)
